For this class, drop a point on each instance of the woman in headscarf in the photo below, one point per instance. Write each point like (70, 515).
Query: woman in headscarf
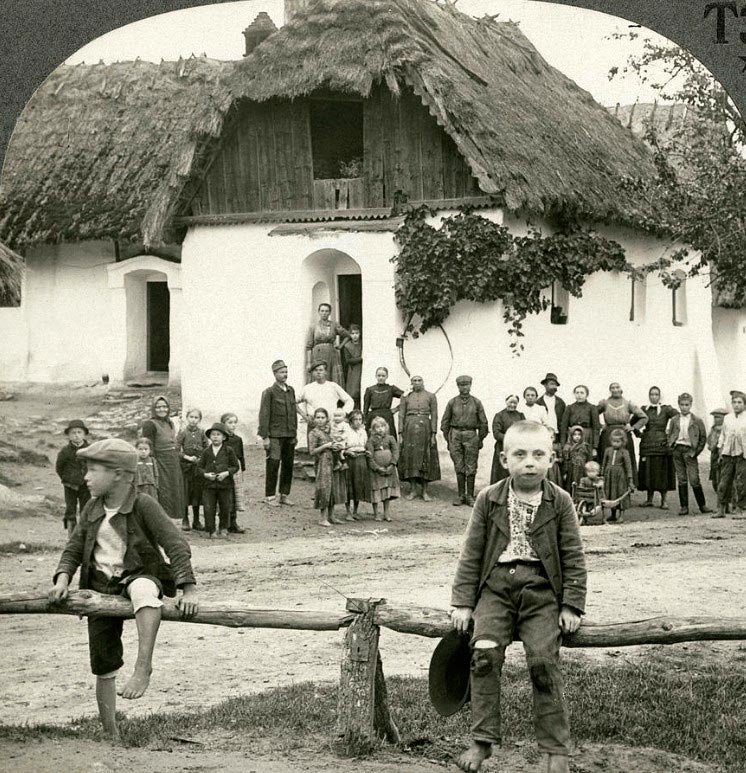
(623, 414)
(656, 471)
(161, 432)
(503, 419)
(322, 346)
(418, 427)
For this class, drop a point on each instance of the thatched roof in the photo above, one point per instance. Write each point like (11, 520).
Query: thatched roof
(530, 135)
(11, 272)
(106, 150)
(103, 150)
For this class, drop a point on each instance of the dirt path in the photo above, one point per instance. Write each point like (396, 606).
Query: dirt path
(655, 564)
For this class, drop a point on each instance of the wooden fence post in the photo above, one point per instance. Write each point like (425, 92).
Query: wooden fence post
(363, 711)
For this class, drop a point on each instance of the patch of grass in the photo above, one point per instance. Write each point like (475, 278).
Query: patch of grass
(699, 715)
(25, 548)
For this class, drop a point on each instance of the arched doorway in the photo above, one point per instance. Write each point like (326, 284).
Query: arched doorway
(333, 277)
(147, 296)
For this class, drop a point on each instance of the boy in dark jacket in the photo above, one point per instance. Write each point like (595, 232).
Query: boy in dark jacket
(116, 545)
(521, 569)
(71, 470)
(218, 464)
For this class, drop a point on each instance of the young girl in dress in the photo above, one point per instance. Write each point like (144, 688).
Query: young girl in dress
(320, 447)
(147, 471)
(383, 455)
(358, 479)
(575, 455)
(190, 443)
(618, 475)
(234, 441)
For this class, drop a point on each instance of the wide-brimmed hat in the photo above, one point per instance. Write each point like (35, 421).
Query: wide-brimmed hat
(76, 424)
(113, 452)
(550, 377)
(217, 426)
(448, 677)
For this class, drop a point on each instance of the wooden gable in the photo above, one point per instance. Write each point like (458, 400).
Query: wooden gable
(266, 160)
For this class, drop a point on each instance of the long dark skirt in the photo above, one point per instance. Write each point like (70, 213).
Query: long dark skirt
(358, 479)
(656, 473)
(419, 456)
(170, 484)
(605, 441)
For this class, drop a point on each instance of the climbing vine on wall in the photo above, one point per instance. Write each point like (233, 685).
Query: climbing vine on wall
(474, 259)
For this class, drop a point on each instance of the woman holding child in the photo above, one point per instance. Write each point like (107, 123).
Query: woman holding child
(161, 432)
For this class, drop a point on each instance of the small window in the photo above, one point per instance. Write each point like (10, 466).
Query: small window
(678, 299)
(560, 304)
(336, 139)
(638, 300)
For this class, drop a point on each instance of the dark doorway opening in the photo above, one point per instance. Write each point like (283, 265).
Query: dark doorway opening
(350, 294)
(159, 314)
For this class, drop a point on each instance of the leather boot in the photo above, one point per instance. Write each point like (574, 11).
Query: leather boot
(233, 527)
(699, 496)
(684, 499)
(461, 498)
(196, 525)
(469, 490)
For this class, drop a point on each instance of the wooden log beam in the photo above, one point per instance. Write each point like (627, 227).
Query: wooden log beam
(229, 614)
(435, 623)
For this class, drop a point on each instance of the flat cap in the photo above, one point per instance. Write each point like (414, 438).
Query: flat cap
(719, 412)
(277, 364)
(737, 393)
(113, 452)
(315, 365)
(464, 380)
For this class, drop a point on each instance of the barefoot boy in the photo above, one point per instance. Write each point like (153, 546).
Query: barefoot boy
(116, 545)
(521, 568)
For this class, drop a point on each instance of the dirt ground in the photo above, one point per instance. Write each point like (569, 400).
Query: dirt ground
(655, 563)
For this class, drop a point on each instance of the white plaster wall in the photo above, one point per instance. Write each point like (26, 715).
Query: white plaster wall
(62, 331)
(729, 334)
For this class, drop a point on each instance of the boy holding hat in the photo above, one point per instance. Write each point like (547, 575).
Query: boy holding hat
(217, 465)
(71, 470)
(278, 429)
(117, 547)
(464, 426)
(687, 438)
(521, 570)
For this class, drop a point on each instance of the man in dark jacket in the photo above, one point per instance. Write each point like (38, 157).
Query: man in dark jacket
(71, 470)
(117, 547)
(278, 429)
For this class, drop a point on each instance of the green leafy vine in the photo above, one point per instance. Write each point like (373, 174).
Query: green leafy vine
(471, 258)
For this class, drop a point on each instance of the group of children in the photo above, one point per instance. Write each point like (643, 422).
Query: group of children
(351, 467)
(212, 465)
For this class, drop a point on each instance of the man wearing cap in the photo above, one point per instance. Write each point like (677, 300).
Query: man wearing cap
(278, 429)
(71, 470)
(464, 426)
(687, 438)
(321, 393)
(117, 546)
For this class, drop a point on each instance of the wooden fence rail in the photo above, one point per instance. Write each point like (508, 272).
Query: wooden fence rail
(363, 712)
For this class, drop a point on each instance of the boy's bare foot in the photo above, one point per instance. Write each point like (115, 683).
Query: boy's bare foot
(410, 496)
(378, 518)
(426, 497)
(558, 763)
(471, 760)
(350, 517)
(136, 686)
(324, 523)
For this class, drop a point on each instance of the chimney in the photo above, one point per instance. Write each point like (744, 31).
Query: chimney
(294, 7)
(260, 29)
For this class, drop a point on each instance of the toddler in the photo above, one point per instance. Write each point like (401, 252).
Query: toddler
(338, 433)
(146, 478)
(383, 454)
(575, 454)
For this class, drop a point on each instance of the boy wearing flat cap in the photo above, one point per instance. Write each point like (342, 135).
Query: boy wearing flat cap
(464, 426)
(71, 471)
(117, 547)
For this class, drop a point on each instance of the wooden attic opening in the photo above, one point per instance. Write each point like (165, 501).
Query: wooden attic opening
(337, 149)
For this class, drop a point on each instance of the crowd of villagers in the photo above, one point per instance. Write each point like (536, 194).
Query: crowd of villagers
(364, 445)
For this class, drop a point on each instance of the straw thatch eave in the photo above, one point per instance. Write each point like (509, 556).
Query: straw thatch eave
(11, 274)
(531, 136)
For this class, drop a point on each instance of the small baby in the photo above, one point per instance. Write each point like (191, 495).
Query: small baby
(338, 433)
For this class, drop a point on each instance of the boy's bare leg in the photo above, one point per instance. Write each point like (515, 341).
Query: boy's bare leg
(386, 516)
(106, 697)
(471, 760)
(148, 620)
(425, 496)
(558, 763)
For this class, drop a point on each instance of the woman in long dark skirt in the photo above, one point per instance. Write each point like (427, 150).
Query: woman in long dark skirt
(623, 414)
(656, 470)
(500, 423)
(161, 432)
